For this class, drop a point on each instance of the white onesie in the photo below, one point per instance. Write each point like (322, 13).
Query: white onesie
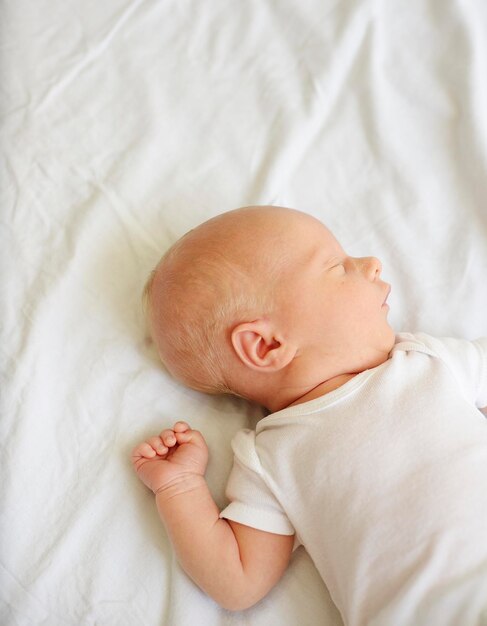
(384, 482)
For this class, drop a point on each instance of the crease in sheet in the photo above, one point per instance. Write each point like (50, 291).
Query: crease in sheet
(279, 163)
(89, 58)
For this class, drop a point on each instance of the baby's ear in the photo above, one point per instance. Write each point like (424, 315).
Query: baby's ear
(259, 347)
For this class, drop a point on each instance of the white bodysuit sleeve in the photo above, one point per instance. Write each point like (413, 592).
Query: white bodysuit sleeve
(467, 361)
(251, 501)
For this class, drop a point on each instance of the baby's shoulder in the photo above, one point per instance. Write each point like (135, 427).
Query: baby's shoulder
(243, 446)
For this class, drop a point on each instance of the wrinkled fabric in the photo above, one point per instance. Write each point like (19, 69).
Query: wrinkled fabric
(124, 124)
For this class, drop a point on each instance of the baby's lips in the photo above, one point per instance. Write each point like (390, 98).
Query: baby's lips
(387, 294)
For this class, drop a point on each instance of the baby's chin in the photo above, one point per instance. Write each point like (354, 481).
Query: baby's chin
(389, 343)
(383, 351)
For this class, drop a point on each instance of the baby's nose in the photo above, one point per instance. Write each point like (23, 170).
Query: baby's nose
(372, 267)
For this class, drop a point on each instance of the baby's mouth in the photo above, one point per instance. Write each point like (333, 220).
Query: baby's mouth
(387, 295)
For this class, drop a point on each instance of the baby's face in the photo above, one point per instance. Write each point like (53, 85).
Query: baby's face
(336, 303)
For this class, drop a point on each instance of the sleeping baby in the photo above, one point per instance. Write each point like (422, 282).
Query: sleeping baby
(374, 454)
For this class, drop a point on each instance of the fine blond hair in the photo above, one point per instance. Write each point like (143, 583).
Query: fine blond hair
(192, 299)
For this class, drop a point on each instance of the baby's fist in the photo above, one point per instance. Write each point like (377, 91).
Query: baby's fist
(172, 456)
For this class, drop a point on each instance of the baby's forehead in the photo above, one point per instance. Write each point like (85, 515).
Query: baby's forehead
(251, 239)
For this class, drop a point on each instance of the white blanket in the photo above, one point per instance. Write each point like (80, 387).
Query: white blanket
(124, 124)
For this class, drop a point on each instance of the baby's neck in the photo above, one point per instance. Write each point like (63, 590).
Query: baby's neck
(292, 388)
(323, 388)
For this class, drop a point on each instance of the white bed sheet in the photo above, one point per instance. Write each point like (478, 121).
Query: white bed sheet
(124, 124)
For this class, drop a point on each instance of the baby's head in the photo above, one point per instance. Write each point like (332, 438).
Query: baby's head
(265, 296)
(215, 276)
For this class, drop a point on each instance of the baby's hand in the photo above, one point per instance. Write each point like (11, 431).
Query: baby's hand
(173, 456)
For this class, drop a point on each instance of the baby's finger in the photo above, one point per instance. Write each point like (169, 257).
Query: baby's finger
(144, 450)
(157, 445)
(168, 438)
(190, 435)
(180, 427)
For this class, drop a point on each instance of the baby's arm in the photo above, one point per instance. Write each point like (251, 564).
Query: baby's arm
(235, 564)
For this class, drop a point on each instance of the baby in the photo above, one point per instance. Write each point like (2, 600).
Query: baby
(374, 456)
